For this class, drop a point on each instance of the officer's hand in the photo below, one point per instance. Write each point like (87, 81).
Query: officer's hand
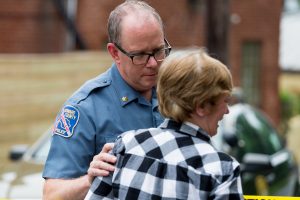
(103, 163)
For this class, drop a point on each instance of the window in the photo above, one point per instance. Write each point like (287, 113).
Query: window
(250, 68)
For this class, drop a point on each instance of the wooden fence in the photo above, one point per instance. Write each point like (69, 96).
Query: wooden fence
(33, 87)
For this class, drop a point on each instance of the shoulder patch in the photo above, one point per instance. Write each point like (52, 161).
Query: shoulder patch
(66, 121)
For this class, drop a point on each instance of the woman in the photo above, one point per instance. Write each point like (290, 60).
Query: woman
(177, 160)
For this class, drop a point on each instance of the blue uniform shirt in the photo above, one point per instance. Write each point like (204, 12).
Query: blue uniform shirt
(97, 113)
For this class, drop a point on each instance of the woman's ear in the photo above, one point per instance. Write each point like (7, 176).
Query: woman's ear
(202, 110)
(113, 51)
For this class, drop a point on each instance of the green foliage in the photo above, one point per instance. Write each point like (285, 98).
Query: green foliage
(290, 106)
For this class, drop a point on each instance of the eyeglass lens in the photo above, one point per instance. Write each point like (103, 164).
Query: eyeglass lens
(159, 56)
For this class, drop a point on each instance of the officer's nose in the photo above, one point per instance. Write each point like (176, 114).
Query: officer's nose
(152, 62)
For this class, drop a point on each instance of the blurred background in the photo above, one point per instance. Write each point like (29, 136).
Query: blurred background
(48, 48)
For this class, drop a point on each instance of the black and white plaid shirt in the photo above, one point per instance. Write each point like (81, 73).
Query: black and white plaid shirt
(173, 161)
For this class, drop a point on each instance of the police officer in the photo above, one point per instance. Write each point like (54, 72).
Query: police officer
(121, 99)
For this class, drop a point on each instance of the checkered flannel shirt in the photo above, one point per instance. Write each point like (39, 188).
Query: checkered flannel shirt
(173, 161)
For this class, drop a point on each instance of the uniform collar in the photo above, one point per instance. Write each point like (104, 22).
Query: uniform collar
(126, 93)
(186, 128)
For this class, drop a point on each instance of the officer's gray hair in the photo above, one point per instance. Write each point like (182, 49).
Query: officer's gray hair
(116, 16)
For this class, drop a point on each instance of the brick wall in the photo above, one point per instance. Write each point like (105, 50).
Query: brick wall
(183, 21)
(92, 21)
(34, 26)
(259, 21)
(30, 26)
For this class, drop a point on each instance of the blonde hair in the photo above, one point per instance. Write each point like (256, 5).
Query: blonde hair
(190, 78)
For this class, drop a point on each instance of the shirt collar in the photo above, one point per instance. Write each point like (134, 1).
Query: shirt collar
(126, 93)
(187, 128)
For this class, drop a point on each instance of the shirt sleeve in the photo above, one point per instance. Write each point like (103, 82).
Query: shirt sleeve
(230, 187)
(101, 188)
(69, 157)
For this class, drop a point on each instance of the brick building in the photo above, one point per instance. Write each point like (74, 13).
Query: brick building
(41, 26)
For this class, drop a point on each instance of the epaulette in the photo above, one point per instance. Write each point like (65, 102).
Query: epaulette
(86, 89)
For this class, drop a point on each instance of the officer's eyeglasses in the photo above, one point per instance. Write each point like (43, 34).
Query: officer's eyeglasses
(142, 58)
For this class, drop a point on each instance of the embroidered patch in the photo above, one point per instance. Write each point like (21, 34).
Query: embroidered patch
(66, 121)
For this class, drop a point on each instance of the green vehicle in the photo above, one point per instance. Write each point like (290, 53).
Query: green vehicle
(268, 168)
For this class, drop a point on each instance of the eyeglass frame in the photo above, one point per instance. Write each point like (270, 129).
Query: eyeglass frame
(132, 55)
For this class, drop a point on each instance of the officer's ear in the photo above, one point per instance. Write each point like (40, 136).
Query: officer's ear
(114, 52)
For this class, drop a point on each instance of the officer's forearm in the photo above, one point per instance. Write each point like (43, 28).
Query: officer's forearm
(66, 188)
